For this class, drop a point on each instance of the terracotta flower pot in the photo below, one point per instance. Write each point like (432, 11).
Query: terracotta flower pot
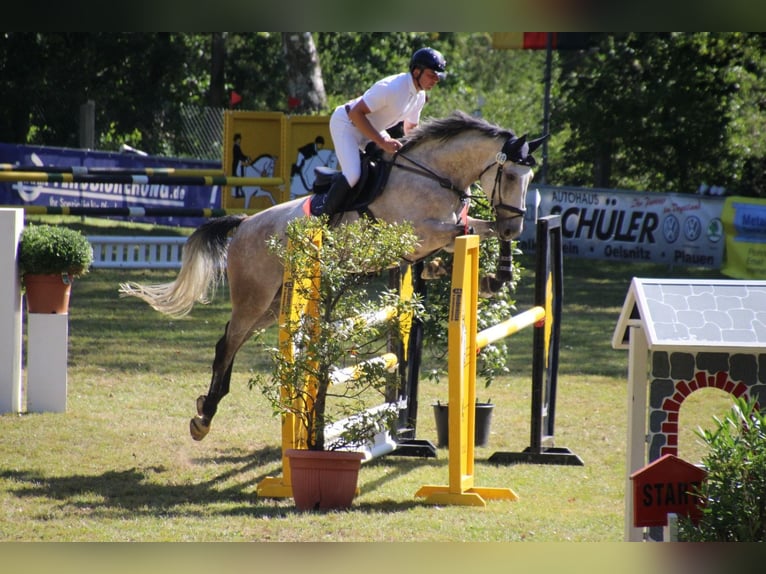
(48, 294)
(323, 480)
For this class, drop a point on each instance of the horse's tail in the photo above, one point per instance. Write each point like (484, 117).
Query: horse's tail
(203, 267)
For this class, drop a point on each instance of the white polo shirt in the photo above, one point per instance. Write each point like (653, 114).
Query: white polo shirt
(392, 100)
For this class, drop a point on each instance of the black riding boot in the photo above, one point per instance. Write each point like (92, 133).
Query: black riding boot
(336, 194)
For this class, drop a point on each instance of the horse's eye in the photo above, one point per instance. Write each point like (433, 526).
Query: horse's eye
(510, 175)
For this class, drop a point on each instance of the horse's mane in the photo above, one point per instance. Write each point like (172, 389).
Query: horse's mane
(454, 124)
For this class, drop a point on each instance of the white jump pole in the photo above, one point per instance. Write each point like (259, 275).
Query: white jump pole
(11, 225)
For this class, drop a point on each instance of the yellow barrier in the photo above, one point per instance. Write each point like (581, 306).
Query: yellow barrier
(463, 345)
(293, 306)
(510, 326)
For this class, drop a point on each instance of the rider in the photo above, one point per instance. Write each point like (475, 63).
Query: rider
(394, 99)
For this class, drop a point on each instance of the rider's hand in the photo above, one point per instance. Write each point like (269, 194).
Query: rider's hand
(391, 145)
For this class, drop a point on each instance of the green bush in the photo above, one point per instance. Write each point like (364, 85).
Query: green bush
(45, 249)
(734, 493)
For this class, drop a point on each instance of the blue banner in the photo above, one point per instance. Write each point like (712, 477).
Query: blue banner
(107, 195)
(744, 219)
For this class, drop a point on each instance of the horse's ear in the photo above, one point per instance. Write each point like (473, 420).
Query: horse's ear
(514, 148)
(536, 143)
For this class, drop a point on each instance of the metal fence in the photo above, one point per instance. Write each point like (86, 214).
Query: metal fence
(202, 132)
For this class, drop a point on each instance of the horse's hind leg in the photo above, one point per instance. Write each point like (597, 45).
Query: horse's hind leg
(238, 331)
(207, 405)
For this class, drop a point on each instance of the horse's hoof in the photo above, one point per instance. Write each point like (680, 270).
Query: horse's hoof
(434, 269)
(198, 428)
(200, 404)
(489, 286)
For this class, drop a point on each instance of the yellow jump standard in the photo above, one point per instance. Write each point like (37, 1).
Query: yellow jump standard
(462, 335)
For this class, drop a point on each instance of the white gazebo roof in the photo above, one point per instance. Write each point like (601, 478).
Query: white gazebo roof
(701, 314)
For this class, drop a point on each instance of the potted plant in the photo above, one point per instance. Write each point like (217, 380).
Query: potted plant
(50, 257)
(326, 375)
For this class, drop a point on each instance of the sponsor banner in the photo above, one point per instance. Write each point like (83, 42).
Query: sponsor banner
(677, 229)
(99, 195)
(744, 220)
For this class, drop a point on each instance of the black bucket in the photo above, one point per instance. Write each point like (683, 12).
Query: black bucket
(482, 423)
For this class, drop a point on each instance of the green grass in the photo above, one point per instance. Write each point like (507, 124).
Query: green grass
(119, 465)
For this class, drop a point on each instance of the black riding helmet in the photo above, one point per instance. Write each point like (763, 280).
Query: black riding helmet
(431, 59)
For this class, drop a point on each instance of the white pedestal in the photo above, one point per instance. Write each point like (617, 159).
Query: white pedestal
(11, 225)
(47, 342)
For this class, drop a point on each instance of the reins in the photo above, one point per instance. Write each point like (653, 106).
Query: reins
(428, 172)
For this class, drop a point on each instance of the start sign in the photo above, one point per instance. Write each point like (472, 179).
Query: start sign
(666, 486)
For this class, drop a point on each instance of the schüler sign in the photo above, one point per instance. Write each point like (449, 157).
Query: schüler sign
(677, 229)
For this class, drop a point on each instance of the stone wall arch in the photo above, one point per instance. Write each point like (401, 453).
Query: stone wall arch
(676, 375)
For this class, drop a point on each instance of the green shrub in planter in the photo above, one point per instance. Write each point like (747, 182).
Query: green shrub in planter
(734, 493)
(46, 249)
(340, 287)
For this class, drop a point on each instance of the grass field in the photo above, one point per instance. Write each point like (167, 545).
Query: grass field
(120, 465)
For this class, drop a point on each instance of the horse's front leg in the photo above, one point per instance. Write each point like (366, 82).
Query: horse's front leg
(440, 235)
(437, 234)
(481, 227)
(491, 283)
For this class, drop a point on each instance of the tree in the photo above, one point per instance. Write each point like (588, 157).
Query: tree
(646, 111)
(734, 493)
(217, 92)
(255, 69)
(305, 87)
(330, 269)
(136, 80)
(649, 111)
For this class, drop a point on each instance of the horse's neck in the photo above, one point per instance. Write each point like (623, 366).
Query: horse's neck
(461, 159)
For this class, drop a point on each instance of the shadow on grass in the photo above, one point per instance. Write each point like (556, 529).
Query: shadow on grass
(140, 491)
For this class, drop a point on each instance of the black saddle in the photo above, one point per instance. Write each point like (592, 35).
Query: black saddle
(375, 171)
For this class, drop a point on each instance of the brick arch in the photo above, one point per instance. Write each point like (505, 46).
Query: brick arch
(663, 431)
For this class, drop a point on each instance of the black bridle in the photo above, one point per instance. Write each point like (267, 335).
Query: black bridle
(500, 160)
(514, 148)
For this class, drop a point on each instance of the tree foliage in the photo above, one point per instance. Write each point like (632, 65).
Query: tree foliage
(647, 111)
(330, 268)
(660, 111)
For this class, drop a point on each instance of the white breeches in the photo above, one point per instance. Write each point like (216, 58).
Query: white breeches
(347, 141)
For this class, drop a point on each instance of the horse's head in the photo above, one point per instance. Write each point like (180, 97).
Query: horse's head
(509, 183)
(457, 150)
